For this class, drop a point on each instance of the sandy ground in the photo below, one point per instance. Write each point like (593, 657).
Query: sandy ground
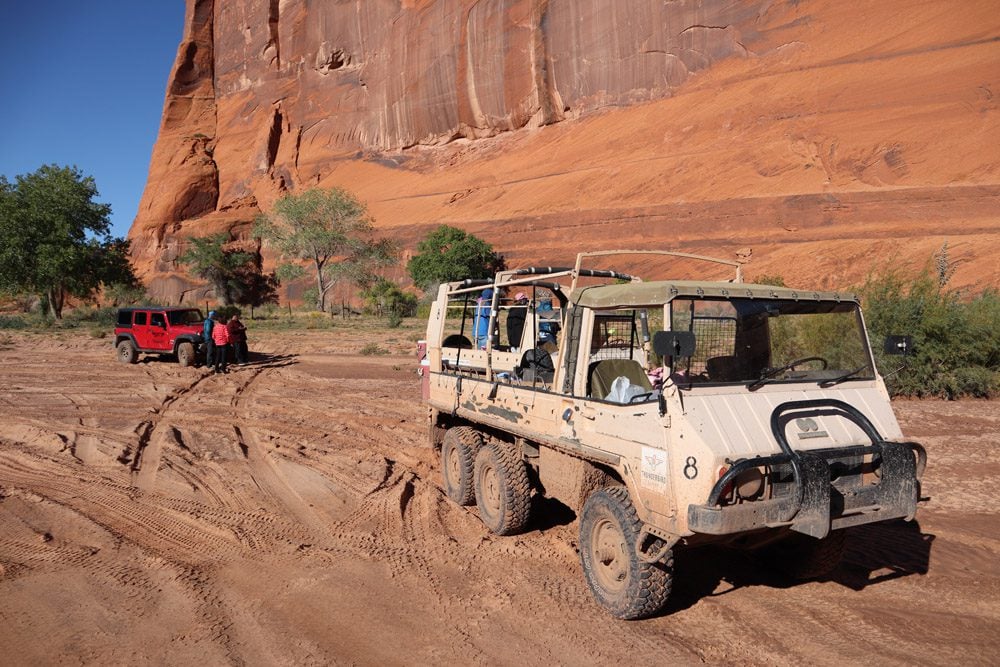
(290, 512)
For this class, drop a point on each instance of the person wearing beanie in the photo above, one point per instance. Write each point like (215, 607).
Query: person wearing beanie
(207, 335)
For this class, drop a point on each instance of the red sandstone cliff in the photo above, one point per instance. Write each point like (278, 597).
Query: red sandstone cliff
(830, 137)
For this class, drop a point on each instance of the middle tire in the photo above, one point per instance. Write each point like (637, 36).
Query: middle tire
(503, 491)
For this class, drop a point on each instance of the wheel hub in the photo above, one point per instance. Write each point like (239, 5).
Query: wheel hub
(611, 555)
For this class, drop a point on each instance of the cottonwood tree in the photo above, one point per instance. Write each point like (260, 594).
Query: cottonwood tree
(331, 230)
(55, 240)
(235, 275)
(448, 254)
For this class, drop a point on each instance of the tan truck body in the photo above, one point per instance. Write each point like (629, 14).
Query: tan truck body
(670, 447)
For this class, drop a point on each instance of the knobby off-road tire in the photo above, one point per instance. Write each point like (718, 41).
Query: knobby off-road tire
(458, 457)
(185, 354)
(126, 352)
(621, 583)
(503, 492)
(803, 557)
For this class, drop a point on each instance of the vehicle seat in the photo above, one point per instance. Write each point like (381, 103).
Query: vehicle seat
(457, 340)
(604, 373)
(725, 369)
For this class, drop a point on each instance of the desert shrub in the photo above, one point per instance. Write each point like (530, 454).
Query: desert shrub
(318, 320)
(14, 322)
(395, 320)
(385, 297)
(956, 338)
(103, 316)
(373, 349)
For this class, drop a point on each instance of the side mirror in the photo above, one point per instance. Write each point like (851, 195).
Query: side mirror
(674, 343)
(898, 345)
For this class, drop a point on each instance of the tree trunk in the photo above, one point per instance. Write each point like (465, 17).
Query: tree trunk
(56, 297)
(321, 287)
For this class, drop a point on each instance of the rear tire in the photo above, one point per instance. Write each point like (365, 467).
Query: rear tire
(126, 352)
(458, 456)
(627, 587)
(185, 354)
(503, 492)
(803, 557)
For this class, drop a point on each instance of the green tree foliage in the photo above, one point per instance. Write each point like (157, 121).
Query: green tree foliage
(235, 275)
(384, 297)
(55, 240)
(330, 229)
(448, 254)
(956, 339)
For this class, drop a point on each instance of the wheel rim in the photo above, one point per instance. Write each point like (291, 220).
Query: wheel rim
(452, 468)
(491, 490)
(607, 544)
(123, 352)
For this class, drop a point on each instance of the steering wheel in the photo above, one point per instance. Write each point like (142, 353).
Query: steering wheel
(792, 364)
(641, 398)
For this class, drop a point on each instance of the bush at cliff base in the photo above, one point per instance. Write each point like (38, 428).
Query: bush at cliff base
(956, 336)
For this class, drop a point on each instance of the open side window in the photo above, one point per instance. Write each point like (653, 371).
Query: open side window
(612, 359)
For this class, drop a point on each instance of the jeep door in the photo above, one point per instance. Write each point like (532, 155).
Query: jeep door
(158, 332)
(140, 329)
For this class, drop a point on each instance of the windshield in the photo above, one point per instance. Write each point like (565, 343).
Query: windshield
(769, 340)
(177, 317)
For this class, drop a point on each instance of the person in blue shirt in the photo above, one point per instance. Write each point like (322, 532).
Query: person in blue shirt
(481, 323)
(207, 335)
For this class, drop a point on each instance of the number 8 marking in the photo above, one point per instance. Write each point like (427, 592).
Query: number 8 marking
(691, 467)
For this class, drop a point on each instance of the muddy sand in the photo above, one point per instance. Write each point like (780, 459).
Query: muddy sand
(291, 513)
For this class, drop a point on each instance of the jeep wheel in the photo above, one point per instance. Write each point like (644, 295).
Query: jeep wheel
(126, 352)
(803, 557)
(458, 458)
(503, 492)
(185, 354)
(627, 587)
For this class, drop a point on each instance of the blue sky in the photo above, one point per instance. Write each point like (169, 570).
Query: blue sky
(82, 83)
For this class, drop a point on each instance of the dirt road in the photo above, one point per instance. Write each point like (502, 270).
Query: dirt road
(290, 513)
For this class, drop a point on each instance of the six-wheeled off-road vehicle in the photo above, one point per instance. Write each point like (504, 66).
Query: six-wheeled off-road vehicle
(667, 414)
(157, 330)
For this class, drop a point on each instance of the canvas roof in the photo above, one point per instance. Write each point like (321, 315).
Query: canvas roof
(638, 294)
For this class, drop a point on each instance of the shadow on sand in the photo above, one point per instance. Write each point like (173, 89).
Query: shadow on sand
(874, 553)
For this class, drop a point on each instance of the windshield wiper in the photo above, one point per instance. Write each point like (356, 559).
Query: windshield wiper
(845, 376)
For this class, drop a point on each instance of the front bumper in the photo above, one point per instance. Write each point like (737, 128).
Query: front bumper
(811, 502)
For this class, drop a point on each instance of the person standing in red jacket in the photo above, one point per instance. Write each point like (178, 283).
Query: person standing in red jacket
(220, 335)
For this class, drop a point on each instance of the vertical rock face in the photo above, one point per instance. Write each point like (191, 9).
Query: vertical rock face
(387, 97)
(265, 94)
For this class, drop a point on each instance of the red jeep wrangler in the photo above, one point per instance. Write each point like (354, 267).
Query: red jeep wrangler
(156, 330)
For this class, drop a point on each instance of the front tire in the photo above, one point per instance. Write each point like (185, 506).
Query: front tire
(458, 457)
(503, 492)
(126, 352)
(627, 587)
(185, 354)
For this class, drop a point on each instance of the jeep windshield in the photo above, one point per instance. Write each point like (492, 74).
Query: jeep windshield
(761, 341)
(180, 317)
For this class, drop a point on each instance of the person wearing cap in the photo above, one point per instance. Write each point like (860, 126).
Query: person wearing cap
(207, 335)
(515, 320)
(481, 323)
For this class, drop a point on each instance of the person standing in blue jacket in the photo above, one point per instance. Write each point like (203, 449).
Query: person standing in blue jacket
(207, 335)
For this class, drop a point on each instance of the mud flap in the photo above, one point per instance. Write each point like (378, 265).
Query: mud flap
(813, 517)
